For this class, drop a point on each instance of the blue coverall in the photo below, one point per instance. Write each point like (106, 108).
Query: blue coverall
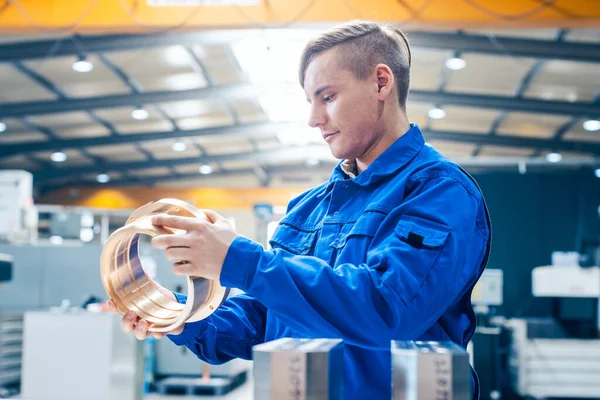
(392, 254)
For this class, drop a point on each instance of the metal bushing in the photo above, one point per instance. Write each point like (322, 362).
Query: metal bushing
(131, 289)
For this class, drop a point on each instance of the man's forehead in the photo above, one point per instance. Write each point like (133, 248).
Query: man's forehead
(324, 69)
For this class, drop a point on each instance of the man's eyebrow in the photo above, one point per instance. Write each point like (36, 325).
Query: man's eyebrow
(321, 89)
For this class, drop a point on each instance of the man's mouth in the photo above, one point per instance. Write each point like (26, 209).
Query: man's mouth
(328, 136)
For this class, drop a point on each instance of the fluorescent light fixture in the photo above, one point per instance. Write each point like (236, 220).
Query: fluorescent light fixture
(82, 65)
(554, 157)
(139, 114)
(455, 63)
(2, 127)
(56, 240)
(58, 156)
(87, 220)
(436, 113)
(102, 178)
(311, 162)
(590, 125)
(597, 173)
(86, 235)
(206, 169)
(179, 146)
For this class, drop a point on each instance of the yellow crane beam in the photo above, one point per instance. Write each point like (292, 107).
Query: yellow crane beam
(132, 198)
(139, 16)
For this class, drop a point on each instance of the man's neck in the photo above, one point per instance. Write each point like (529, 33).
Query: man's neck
(394, 133)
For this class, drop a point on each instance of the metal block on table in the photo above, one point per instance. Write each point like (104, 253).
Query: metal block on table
(430, 370)
(299, 369)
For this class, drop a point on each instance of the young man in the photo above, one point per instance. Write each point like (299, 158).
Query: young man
(389, 248)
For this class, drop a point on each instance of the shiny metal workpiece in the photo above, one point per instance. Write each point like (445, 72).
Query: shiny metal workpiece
(299, 369)
(131, 289)
(430, 370)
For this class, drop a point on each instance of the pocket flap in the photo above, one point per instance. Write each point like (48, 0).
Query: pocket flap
(292, 239)
(366, 225)
(414, 232)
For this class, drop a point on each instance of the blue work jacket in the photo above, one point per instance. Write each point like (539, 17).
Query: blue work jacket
(392, 254)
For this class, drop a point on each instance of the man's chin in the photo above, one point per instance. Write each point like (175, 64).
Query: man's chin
(337, 153)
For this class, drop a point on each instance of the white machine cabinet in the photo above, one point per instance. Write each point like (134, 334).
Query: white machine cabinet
(75, 356)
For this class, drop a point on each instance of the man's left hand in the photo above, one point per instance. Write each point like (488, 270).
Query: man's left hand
(201, 250)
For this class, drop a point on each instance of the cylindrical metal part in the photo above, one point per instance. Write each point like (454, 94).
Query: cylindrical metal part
(299, 369)
(131, 289)
(430, 370)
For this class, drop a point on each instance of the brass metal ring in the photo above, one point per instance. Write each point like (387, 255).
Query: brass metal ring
(128, 286)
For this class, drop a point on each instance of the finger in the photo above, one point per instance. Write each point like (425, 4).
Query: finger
(159, 335)
(111, 305)
(165, 241)
(141, 330)
(178, 253)
(184, 268)
(174, 221)
(128, 321)
(213, 216)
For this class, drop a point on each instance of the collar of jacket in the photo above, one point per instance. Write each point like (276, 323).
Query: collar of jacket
(391, 160)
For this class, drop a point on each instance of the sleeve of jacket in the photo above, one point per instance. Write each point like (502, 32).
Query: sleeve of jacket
(230, 332)
(425, 255)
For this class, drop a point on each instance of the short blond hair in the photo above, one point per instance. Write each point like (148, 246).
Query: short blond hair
(365, 44)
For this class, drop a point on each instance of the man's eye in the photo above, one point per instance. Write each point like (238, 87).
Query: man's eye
(327, 99)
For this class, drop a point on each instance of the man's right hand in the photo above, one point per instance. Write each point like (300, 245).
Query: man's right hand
(132, 323)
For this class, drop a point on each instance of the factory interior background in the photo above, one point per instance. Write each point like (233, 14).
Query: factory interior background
(106, 105)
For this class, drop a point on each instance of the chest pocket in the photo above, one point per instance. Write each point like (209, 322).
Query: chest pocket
(419, 246)
(352, 243)
(293, 239)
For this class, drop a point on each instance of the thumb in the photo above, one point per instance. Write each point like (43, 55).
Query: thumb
(213, 217)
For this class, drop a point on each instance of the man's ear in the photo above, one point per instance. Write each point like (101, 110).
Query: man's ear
(385, 81)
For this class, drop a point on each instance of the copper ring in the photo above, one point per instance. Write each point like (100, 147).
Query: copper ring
(128, 286)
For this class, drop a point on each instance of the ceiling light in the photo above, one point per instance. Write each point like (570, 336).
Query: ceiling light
(2, 127)
(56, 240)
(436, 113)
(597, 173)
(102, 178)
(179, 146)
(206, 169)
(591, 125)
(139, 114)
(311, 162)
(58, 156)
(553, 157)
(82, 65)
(86, 235)
(455, 63)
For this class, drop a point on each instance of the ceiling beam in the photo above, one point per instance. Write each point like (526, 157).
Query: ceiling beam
(245, 90)
(301, 153)
(467, 43)
(281, 154)
(253, 130)
(262, 129)
(324, 170)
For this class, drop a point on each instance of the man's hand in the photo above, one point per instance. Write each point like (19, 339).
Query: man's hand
(132, 323)
(201, 251)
